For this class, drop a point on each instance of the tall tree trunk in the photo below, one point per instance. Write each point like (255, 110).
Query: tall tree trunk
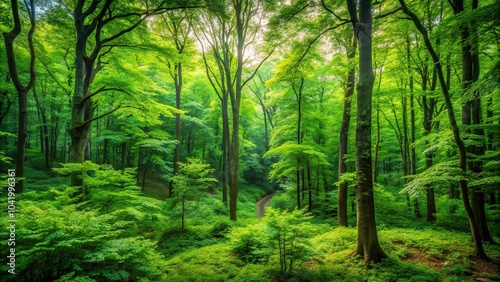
(44, 130)
(367, 243)
(344, 134)
(478, 245)
(235, 96)
(300, 171)
(309, 187)
(377, 143)
(489, 138)
(22, 91)
(413, 154)
(183, 212)
(428, 107)
(225, 146)
(476, 165)
(78, 130)
(297, 182)
(178, 89)
(406, 145)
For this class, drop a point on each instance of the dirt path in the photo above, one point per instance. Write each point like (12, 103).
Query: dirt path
(262, 204)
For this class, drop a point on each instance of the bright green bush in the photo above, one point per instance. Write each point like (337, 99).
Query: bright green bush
(249, 243)
(282, 238)
(68, 242)
(451, 214)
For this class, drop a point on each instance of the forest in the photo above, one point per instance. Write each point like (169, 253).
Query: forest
(250, 140)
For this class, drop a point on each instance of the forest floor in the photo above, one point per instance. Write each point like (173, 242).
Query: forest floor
(414, 255)
(478, 268)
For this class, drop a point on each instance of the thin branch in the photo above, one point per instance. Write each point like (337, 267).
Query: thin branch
(53, 77)
(258, 67)
(314, 40)
(332, 12)
(101, 116)
(31, 11)
(379, 16)
(119, 34)
(100, 90)
(91, 8)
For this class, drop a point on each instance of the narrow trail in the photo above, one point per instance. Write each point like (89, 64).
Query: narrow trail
(262, 204)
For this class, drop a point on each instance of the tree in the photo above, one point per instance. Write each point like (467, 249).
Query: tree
(22, 90)
(105, 22)
(367, 243)
(229, 33)
(191, 181)
(346, 119)
(176, 23)
(476, 236)
(471, 111)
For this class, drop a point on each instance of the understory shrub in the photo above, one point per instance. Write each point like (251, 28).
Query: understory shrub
(70, 243)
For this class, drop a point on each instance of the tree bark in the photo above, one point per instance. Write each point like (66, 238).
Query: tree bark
(476, 165)
(300, 171)
(344, 134)
(413, 154)
(44, 130)
(309, 188)
(367, 242)
(428, 105)
(225, 146)
(235, 96)
(178, 89)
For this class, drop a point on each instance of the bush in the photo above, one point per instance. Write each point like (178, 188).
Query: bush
(282, 237)
(221, 228)
(81, 244)
(451, 214)
(249, 243)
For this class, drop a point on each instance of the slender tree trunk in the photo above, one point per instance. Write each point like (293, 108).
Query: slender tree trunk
(406, 145)
(344, 135)
(367, 243)
(428, 107)
(309, 187)
(44, 131)
(489, 139)
(225, 147)
(178, 90)
(413, 168)
(297, 182)
(183, 212)
(300, 171)
(377, 144)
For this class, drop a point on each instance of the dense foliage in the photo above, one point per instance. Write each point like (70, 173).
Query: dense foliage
(144, 140)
